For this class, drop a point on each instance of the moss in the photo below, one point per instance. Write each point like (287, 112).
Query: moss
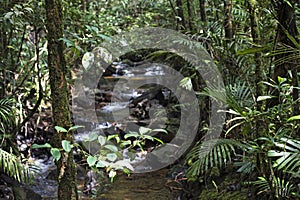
(214, 195)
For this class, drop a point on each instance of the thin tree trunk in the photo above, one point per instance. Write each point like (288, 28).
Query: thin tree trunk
(60, 99)
(190, 16)
(202, 10)
(180, 14)
(252, 9)
(228, 19)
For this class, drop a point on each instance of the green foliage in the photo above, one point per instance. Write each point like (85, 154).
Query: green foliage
(110, 153)
(66, 144)
(277, 187)
(7, 117)
(12, 166)
(109, 150)
(212, 153)
(288, 156)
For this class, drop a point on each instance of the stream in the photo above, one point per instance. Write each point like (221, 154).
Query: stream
(125, 99)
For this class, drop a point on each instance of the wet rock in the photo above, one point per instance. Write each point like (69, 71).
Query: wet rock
(6, 193)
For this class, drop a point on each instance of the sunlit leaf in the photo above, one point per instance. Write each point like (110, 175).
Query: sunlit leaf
(37, 146)
(102, 164)
(55, 152)
(186, 83)
(160, 130)
(92, 136)
(131, 134)
(66, 145)
(101, 140)
(60, 129)
(75, 127)
(297, 117)
(91, 160)
(144, 130)
(111, 157)
(111, 147)
(112, 174)
(262, 98)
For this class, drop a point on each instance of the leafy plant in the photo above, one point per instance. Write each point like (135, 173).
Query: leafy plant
(212, 153)
(66, 144)
(115, 154)
(12, 166)
(288, 156)
(7, 118)
(277, 187)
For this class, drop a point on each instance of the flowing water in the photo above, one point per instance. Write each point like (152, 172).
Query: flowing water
(112, 112)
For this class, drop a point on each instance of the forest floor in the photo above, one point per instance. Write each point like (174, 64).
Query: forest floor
(150, 186)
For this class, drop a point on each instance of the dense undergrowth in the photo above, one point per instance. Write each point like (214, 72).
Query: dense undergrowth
(254, 47)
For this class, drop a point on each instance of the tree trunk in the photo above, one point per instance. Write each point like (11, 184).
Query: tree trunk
(286, 26)
(202, 10)
(66, 172)
(190, 14)
(255, 34)
(180, 14)
(228, 19)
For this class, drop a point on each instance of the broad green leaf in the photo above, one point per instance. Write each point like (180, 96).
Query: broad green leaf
(66, 145)
(60, 129)
(37, 146)
(102, 164)
(101, 140)
(131, 134)
(91, 160)
(148, 137)
(55, 152)
(112, 137)
(144, 130)
(111, 157)
(125, 143)
(111, 147)
(92, 136)
(75, 127)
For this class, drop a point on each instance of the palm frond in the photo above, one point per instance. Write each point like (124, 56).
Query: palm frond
(236, 95)
(278, 187)
(12, 166)
(289, 156)
(212, 153)
(6, 114)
